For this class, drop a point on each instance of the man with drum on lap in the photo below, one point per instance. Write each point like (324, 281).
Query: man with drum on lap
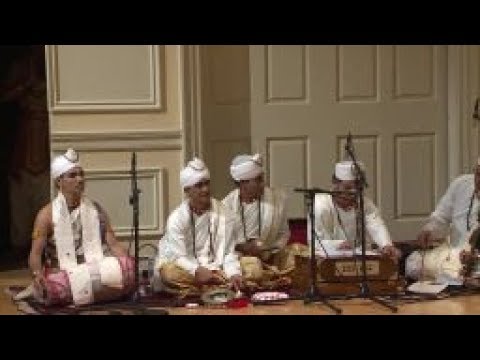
(447, 235)
(75, 257)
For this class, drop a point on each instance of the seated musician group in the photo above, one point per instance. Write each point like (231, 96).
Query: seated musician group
(249, 248)
(240, 242)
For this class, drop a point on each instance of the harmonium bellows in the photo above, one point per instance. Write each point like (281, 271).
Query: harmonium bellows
(343, 275)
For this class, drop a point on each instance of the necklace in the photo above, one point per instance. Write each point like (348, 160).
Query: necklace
(242, 212)
(340, 222)
(192, 223)
(470, 210)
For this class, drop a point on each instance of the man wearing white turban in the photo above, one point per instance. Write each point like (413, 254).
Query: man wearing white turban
(197, 250)
(450, 234)
(335, 217)
(67, 257)
(262, 230)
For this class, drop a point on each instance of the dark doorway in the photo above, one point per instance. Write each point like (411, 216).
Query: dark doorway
(24, 148)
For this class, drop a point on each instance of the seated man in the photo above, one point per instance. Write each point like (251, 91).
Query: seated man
(262, 230)
(70, 232)
(335, 217)
(197, 250)
(447, 233)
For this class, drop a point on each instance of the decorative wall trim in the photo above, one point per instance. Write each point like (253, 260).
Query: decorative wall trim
(190, 87)
(270, 98)
(117, 141)
(157, 176)
(459, 84)
(155, 102)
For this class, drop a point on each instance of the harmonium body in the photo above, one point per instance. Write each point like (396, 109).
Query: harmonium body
(343, 275)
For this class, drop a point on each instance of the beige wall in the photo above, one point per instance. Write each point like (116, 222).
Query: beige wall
(225, 110)
(169, 103)
(108, 101)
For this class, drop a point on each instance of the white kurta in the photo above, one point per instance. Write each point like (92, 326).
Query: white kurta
(214, 248)
(328, 226)
(274, 230)
(450, 215)
(449, 221)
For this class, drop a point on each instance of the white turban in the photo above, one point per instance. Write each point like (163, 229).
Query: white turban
(193, 173)
(62, 163)
(345, 170)
(246, 167)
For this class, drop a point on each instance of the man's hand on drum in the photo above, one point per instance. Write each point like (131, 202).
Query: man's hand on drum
(392, 252)
(425, 239)
(468, 256)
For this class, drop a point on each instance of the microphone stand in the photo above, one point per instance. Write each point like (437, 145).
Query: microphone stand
(360, 184)
(313, 294)
(134, 197)
(135, 300)
(134, 200)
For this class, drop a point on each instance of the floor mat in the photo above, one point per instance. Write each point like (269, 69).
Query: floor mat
(148, 305)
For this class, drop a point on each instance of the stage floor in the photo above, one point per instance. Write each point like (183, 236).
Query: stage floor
(461, 305)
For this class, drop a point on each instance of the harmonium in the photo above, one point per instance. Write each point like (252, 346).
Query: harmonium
(343, 275)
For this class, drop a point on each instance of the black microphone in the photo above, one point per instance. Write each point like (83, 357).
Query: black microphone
(133, 165)
(134, 162)
(312, 190)
(349, 144)
(135, 191)
(476, 115)
(348, 147)
(322, 191)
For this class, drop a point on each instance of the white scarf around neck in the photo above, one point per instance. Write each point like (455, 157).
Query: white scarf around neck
(63, 232)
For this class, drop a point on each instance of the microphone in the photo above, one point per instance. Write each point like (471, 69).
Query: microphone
(349, 144)
(312, 190)
(476, 115)
(133, 163)
(134, 189)
(322, 191)
(349, 138)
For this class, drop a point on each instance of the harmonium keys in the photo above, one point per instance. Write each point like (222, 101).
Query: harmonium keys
(343, 275)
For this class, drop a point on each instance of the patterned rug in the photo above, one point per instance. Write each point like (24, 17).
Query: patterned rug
(148, 305)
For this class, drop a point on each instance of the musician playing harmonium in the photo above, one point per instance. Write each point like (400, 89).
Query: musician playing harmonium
(336, 221)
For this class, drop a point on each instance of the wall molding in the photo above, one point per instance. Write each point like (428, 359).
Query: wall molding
(459, 111)
(155, 102)
(191, 85)
(158, 178)
(117, 141)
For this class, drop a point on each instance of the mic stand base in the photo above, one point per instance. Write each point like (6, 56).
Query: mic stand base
(139, 309)
(313, 295)
(365, 294)
(135, 303)
(136, 298)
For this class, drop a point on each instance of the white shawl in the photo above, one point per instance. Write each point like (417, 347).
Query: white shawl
(78, 275)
